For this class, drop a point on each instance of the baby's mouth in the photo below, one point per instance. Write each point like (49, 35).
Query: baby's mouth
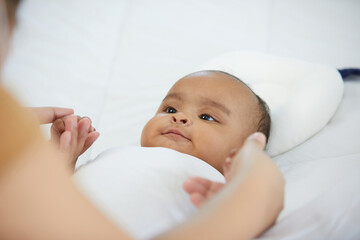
(176, 134)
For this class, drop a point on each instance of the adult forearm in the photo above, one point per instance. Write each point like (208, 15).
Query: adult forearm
(248, 205)
(38, 199)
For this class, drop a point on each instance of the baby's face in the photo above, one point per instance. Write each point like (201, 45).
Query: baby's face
(204, 115)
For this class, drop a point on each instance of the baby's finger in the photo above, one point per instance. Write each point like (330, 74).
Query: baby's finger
(83, 128)
(215, 188)
(83, 133)
(205, 182)
(197, 199)
(65, 142)
(197, 185)
(91, 138)
(91, 128)
(71, 123)
(71, 126)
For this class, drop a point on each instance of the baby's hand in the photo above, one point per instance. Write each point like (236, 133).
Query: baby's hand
(74, 135)
(201, 189)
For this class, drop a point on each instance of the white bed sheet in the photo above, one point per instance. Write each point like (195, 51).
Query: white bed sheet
(322, 179)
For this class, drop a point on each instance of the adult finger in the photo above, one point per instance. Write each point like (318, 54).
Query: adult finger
(251, 151)
(50, 114)
(57, 128)
(59, 125)
(227, 165)
(257, 139)
(255, 143)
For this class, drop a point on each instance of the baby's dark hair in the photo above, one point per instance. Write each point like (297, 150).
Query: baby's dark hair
(264, 122)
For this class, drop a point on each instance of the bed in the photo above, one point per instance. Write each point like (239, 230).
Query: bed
(114, 61)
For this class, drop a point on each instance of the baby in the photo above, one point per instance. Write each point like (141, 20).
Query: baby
(205, 114)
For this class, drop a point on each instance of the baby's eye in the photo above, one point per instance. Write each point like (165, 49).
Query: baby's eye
(170, 110)
(206, 117)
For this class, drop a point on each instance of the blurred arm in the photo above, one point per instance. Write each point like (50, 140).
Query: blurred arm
(247, 205)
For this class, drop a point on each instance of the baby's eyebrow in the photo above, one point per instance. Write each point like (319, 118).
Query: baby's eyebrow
(221, 107)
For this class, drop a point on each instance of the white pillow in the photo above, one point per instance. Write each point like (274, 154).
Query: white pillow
(140, 189)
(302, 96)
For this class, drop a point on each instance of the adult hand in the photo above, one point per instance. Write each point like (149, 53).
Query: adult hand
(50, 114)
(201, 189)
(249, 203)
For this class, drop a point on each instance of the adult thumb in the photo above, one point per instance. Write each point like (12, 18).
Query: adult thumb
(258, 139)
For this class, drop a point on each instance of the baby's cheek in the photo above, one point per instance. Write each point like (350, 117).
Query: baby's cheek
(146, 133)
(213, 151)
(152, 129)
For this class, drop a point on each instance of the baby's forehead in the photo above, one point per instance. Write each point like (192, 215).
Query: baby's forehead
(216, 81)
(216, 87)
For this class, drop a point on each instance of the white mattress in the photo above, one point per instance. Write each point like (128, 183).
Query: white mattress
(114, 62)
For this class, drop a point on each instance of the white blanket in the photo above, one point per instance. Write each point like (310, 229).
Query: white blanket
(141, 188)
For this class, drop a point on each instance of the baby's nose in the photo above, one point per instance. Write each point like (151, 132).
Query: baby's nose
(181, 119)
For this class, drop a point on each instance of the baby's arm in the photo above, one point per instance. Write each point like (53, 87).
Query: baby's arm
(74, 135)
